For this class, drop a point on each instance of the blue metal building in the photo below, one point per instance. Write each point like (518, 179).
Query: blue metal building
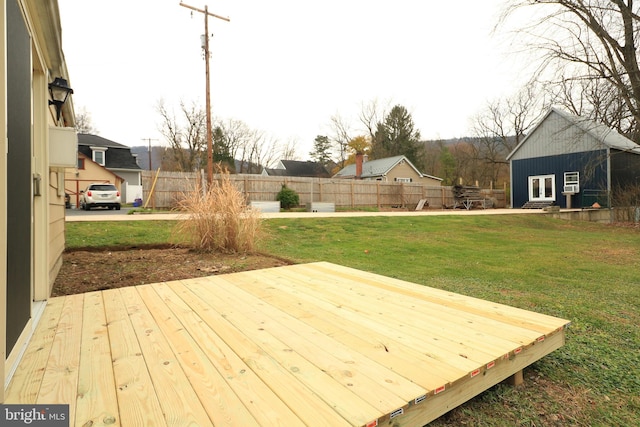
(569, 161)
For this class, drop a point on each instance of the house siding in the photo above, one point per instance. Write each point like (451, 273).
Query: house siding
(556, 137)
(130, 177)
(56, 232)
(591, 165)
(625, 169)
(403, 170)
(92, 172)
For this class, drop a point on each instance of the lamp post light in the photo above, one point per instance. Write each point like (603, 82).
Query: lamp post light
(59, 90)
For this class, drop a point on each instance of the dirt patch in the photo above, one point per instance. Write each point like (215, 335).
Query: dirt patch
(91, 270)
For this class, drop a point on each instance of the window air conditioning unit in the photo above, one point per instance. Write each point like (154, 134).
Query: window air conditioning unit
(571, 189)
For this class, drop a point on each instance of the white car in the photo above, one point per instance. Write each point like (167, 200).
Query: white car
(100, 195)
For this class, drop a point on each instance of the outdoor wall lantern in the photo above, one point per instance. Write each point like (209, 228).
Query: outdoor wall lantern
(59, 90)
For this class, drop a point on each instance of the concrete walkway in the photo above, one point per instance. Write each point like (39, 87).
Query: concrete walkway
(173, 216)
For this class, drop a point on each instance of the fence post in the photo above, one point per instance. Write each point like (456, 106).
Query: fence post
(378, 193)
(352, 196)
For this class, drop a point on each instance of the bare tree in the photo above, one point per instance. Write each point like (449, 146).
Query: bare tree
(341, 136)
(237, 136)
(83, 123)
(372, 113)
(500, 127)
(288, 150)
(343, 130)
(591, 41)
(252, 149)
(186, 135)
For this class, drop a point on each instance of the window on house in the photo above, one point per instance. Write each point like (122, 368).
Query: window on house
(542, 187)
(403, 179)
(572, 182)
(80, 163)
(98, 157)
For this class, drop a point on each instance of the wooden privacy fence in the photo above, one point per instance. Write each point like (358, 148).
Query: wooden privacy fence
(344, 193)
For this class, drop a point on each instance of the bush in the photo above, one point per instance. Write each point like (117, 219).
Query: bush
(219, 220)
(287, 197)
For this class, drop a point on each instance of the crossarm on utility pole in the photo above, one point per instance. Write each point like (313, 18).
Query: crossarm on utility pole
(205, 12)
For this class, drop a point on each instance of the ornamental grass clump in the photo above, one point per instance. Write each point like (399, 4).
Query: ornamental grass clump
(219, 219)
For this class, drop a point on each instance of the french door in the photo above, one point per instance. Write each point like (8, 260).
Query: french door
(542, 188)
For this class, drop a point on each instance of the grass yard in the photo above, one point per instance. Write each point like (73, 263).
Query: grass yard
(587, 273)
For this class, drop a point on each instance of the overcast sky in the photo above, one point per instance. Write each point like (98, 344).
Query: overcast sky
(284, 66)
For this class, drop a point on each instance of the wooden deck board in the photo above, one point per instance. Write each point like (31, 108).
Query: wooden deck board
(216, 393)
(60, 379)
(96, 403)
(312, 344)
(27, 379)
(137, 399)
(179, 402)
(445, 331)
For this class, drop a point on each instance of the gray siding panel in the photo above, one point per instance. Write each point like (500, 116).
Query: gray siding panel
(556, 136)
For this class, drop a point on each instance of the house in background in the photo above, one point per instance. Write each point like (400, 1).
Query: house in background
(390, 169)
(569, 161)
(37, 143)
(103, 160)
(298, 168)
(86, 172)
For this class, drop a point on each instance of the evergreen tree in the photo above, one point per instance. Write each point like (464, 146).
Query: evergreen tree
(396, 135)
(321, 150)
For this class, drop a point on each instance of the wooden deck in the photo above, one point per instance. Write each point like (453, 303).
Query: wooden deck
(314, 344)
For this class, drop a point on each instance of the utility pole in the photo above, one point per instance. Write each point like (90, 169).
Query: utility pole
(206, 13)
(149, 141)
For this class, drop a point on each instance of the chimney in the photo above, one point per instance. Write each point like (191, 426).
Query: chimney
(359, 161)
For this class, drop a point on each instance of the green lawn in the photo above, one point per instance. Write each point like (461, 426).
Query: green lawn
(587, 273)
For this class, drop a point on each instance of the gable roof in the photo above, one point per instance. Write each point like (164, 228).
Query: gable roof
(379, 167)
(300, 168)
(601, 133)
(117, 156)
